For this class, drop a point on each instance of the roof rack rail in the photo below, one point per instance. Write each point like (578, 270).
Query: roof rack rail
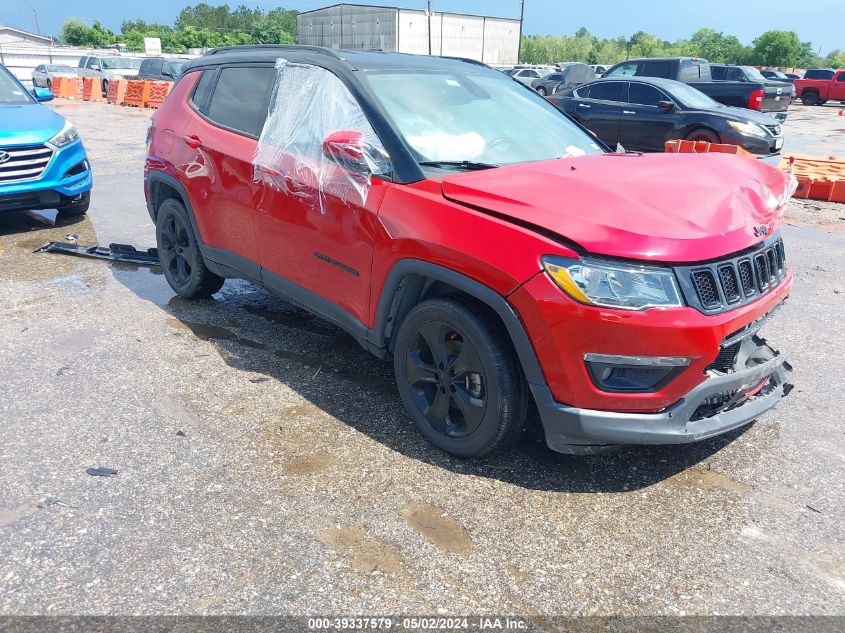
(465, 59)
(264, 47)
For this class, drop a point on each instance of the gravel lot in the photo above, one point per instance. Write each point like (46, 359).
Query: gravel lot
(265, 464)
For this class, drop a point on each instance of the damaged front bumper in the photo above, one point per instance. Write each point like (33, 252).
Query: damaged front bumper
(723, 402)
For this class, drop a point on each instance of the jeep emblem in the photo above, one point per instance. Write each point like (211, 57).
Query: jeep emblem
(761, 230)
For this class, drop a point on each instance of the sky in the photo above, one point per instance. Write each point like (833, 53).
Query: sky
(818, 21)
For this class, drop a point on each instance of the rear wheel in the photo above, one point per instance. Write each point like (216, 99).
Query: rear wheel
(702, 134)
(179, 254)
(459, 378)
(810, 98)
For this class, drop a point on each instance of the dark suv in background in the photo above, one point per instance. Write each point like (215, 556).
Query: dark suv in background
(161, 69)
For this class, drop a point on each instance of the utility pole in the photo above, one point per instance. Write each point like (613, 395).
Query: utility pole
(35, 13)
(428, 13)
(521, 17)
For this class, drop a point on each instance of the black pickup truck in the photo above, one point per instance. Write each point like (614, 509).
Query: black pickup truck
(770, 97)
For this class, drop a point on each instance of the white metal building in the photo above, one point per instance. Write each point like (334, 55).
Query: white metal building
(15, 37)
(491, 40)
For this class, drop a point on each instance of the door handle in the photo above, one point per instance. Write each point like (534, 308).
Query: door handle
(583, 105)
(628, 112)
(192, 140)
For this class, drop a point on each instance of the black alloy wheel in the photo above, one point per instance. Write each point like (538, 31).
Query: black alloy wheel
(179, 253)
(447, 380)
(459, 377)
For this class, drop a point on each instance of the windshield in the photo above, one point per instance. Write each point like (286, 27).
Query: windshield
(11, 92)
(483, 118)
(112, 63)
(55, 68)
(692, 98)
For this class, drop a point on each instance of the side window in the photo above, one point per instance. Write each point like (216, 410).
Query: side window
(155, 67)
(82, 61)
(718, 73)
(643, 94)
(624, 70)
(735, 74)
(610, 91)
(554, 77)
(582, 92)
(145, 67)
(93, 61)
(39, 68)
(657, 69)
(202, 90)
(533, 74)
(240, 98)
(840, 78)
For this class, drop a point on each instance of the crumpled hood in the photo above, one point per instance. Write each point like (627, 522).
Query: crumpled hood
(661, 207)
(28, 124)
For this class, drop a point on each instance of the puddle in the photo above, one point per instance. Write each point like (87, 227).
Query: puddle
(708, 480)
(442, 531)
(75, 341)
(308, 465)
(364, 551)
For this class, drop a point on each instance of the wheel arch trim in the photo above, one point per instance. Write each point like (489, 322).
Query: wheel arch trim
(398, 288)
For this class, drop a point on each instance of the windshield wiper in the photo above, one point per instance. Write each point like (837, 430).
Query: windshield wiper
(462, 164)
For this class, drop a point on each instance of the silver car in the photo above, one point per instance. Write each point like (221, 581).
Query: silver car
(44, 74)
(528, 75)
(108, 67)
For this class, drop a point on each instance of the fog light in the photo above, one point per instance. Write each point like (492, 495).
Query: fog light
(643, 374)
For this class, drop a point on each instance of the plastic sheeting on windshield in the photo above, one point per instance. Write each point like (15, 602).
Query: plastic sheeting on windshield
(307, 106)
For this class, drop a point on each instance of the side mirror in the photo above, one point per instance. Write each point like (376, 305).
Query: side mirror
(42, 94)
(666, 105)
(348, 149)
(94, 67)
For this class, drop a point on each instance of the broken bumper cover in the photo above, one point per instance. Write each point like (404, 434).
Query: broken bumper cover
(583, 431)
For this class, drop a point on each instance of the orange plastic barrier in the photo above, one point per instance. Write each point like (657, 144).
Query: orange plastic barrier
(137, 93)
(117, 91)
(157, 92)
(818, 178)
(73, 88)
(703, 147)
(92, 89)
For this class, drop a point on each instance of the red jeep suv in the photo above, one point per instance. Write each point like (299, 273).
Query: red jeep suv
(453, 220)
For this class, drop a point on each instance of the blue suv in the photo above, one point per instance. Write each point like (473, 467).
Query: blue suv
(43, 164)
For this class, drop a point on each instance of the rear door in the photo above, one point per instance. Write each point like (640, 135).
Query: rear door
(644, 125)
(221, 143)
(600, 109)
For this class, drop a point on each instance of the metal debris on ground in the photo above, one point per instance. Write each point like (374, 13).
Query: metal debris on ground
(101, 472)
(52, 501)
(115, 252)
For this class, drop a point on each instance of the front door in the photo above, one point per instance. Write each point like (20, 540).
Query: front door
(316, 219)
(645, 125)
(601, 110)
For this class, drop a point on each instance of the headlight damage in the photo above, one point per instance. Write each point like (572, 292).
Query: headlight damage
(610, 285)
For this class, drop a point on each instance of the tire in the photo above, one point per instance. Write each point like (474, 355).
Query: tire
(105, 87)
(703, 134)
(50, 85)
(76, 210)
(459, 378)
(810, 98)
(541, 91)
(181, 260)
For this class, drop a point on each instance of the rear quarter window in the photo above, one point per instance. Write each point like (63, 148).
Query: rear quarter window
(202, 90)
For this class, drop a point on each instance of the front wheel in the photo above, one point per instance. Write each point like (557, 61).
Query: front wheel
(459, 378)
(179, 254)
(105, 87)
(702, 134)
(49, 85)
(541, 91)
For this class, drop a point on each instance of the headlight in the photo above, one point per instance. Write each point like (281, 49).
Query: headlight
(66, 136)
(752, 129)
(624, 286)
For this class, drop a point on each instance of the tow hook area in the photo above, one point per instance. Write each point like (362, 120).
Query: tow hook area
(115, 252)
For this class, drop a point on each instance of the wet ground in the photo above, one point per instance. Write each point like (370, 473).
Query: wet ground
(265, 465)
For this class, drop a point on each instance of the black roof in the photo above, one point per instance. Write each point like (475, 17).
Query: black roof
(353, 60)
(654, 81)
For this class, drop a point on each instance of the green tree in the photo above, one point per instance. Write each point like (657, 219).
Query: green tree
(835, 59)
(777, 48)
(717, 47)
